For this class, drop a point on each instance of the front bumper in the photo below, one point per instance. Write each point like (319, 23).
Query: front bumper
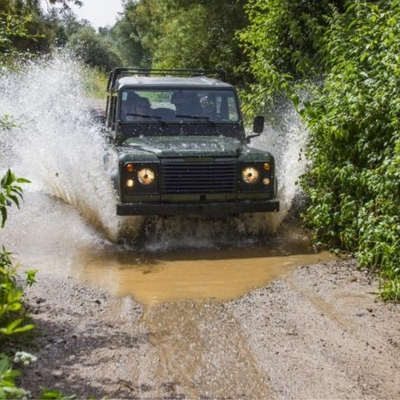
(216, 209)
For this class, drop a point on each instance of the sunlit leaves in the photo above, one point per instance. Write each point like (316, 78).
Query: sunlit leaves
(181, 34)
(354, 179)
(10, 192)
(281, 43)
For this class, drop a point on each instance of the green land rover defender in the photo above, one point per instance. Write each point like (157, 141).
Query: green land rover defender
(179, 146)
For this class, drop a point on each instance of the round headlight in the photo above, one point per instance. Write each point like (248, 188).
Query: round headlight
(130, 183)
(250, 175)
(146, 176)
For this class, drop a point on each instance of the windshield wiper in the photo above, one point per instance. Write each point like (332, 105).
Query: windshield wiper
(153, 117)
(198, 117)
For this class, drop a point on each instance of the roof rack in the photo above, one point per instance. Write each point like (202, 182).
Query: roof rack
(123, 72)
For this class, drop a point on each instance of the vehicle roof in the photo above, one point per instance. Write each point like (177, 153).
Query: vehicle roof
(197, 81)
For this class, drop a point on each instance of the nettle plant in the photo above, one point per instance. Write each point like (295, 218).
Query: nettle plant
(12, 314)
(353, 181)
(11, 308)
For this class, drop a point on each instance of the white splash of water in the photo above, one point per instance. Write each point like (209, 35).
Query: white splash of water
(56, 144)
(286, 141)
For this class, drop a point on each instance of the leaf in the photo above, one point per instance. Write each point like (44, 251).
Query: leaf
(55, 394)
(22, 180)
(4, 364)
(9, 329)
(3, 215)
(14, 199)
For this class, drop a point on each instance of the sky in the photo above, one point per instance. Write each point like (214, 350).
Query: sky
(99, 12)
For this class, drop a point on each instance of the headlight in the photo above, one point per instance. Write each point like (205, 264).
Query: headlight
(250, 175)
(146, 176)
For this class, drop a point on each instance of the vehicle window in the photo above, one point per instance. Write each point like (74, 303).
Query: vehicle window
(176, 105)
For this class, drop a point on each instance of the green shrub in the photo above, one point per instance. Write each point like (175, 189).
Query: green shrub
(281, 42)
(12, 314)
(11, 309)
(95, 82)
(354, 178)
(93, 50)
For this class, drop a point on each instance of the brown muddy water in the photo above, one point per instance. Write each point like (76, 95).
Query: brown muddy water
(154, 278)
(167, 265)
(212, 274)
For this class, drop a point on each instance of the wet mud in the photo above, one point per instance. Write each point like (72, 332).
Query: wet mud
(317, 333)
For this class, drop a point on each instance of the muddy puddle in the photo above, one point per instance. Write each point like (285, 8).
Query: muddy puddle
(198, 275)
(154, 278)
(59, 242)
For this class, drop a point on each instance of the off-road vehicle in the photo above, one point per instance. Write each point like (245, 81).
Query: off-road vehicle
(179, 146)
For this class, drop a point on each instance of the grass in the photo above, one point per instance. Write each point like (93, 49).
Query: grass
(95, 83)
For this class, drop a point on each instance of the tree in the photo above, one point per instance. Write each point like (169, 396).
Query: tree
(281, 42)
(93, 50)
(26, 28)
(125, 37)
(179, 34)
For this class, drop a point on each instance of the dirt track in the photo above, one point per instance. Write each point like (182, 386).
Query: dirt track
(320, 333)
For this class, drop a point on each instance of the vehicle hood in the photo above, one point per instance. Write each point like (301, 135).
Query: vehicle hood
(184, 146)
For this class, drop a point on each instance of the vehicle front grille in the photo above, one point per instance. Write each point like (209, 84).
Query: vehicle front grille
(182, 177)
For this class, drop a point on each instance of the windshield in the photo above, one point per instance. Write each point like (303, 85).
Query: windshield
(189, 105)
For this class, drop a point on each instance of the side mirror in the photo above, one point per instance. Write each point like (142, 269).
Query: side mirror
(258, 125)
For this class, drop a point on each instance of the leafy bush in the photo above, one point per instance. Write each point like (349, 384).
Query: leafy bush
(354, 148)
(10, 192)
(281, 43)
(11, 320)
(95, 82)
(93, 50)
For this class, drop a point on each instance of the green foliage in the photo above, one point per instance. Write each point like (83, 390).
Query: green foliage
(10, 298)
(31, 276)
(55, 394)
(281, 42)
(26, 31)
(93, 50)
(181, 34)
(95, 82)
(11, 308)
(354, 148)
(7, 123)
(125, 36)
(12, 28)
(8, 389)
(10, 192)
